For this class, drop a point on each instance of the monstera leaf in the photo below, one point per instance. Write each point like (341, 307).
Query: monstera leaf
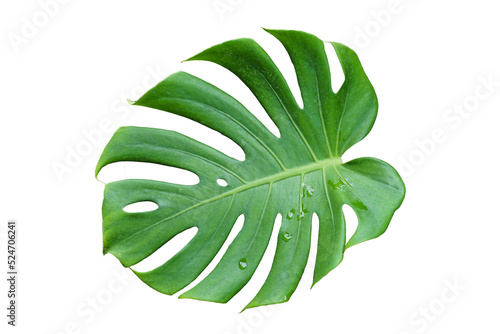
(296, 175)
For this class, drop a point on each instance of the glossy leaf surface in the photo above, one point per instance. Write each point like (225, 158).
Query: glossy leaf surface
(296, 175)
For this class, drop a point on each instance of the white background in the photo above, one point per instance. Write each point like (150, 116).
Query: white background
(426, 60)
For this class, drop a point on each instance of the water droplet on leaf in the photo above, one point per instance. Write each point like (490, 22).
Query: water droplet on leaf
(339, 185)
(286, 236)
(302, 212)
(360, 205)
(290, 214)
(243, 264)
(307, 191)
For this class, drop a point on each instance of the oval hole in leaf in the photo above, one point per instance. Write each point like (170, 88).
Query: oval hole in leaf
(351, 221)
(165, 252)
(143, 206)
(222, 182)
(146, 171)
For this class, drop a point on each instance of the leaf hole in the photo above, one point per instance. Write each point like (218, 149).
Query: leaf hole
(280, 57)
(238, 225)
(306, 281)
(311, 261)
(336, 72)
(263, 269)
(232, 85)
(351, 221)
(153, 118)
(144, 206)
(147, 171)
(222, 182)
(167, 251)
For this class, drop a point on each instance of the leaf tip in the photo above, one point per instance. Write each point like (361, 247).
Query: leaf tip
(184, 296)
(131, 102)
(195, 57)
(273, 32)
(250, 305)
(315, 281)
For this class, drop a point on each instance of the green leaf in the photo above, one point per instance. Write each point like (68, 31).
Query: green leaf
(296, 175)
